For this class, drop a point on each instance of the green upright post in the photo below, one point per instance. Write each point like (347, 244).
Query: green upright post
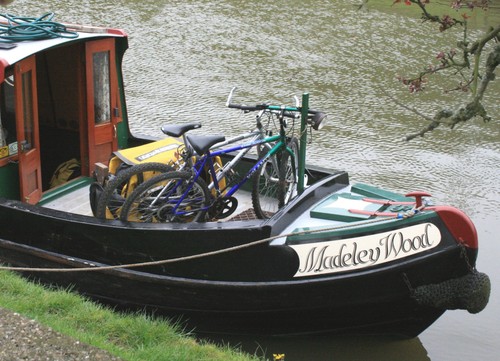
(303, 142)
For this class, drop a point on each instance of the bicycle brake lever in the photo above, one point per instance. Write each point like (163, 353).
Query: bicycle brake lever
(230, 96)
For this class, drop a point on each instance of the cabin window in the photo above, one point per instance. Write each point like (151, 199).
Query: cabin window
(102, 98)
(28, 121)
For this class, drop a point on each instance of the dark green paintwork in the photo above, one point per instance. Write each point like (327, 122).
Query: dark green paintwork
(371, 191)
(358, 228)
(64, 189)
(9, 181)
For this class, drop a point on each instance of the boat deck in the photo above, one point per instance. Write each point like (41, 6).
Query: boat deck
(77, 201)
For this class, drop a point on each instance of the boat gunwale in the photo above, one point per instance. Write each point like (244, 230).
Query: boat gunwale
(73, 261)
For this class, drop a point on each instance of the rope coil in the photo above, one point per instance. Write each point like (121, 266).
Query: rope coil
(16, 28)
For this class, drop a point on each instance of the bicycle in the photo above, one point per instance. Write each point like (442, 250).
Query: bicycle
(183, 196)
(119, 186)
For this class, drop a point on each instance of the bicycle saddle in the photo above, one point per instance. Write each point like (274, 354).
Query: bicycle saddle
(202, 143)
(176, 130)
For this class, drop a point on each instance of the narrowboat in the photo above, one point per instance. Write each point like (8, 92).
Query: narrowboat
(340, 257)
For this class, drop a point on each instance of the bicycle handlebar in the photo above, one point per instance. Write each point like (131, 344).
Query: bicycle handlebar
(286, 111)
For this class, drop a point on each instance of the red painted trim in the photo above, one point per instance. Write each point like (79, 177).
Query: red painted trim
(117, 32)
(3, 65)
(386, 202)
(459, 224)
(372, 213)
(418, 197)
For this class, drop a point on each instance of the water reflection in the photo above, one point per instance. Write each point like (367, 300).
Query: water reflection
(328, 348)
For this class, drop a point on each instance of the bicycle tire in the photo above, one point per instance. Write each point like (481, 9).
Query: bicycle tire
(289, 172)
(265, 183)
(164, 190)
(120, 187)
(274, 183)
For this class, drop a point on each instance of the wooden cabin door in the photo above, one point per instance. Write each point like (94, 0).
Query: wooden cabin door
(30, 174)
(102, 100)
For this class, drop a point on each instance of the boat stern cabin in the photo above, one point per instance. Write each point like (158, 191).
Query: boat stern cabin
(60, 99)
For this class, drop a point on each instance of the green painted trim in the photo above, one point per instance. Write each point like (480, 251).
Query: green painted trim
(123, 128)
(303, 142)
(65, 189)
(326, 209)
(371, 191)
(358, 228)
(9, 180)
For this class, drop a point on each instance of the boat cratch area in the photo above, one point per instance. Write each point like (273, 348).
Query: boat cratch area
(231, 235)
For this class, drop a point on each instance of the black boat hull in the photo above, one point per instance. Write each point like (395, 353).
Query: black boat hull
(248, 286)
(378, 303)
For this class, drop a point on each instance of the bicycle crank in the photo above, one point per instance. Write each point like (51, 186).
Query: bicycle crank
(223, 207)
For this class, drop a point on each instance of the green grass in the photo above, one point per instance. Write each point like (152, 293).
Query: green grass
(130, 337)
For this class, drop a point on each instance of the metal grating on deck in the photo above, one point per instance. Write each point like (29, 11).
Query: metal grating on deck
(247, 215)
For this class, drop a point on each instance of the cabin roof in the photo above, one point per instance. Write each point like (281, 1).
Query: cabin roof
(23, 49)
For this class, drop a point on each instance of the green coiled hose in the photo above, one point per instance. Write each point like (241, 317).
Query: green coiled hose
(17, 29)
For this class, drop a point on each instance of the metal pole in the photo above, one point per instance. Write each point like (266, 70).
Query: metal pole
(303, 142)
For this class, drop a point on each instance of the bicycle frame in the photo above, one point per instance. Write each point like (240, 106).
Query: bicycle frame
(275, 174)
(207, 159)
(255, 134)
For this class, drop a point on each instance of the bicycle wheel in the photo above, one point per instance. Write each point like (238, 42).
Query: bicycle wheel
(275, 183)
(155, 200)
(289, 172)
(120, 187)
(265, 193)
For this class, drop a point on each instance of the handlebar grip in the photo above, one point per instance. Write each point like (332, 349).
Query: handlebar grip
(249, 108)
(291, 114)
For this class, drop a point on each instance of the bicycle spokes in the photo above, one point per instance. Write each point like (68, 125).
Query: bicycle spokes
(170, 197)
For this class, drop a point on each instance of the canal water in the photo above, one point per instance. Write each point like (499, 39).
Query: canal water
(185, 55)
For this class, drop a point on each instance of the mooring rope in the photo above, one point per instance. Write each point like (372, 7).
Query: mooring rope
(16, 28)
(192, 257)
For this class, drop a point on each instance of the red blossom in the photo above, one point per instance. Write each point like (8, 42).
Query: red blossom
(414, 85)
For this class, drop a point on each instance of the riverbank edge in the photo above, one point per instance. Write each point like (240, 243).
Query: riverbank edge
(40, 323)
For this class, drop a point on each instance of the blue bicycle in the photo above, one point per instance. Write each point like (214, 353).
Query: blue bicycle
(184, 196)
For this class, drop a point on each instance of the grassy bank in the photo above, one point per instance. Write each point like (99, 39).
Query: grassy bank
(130, 337)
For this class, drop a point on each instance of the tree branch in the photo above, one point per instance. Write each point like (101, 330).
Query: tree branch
(475, 80)
(470, 110)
